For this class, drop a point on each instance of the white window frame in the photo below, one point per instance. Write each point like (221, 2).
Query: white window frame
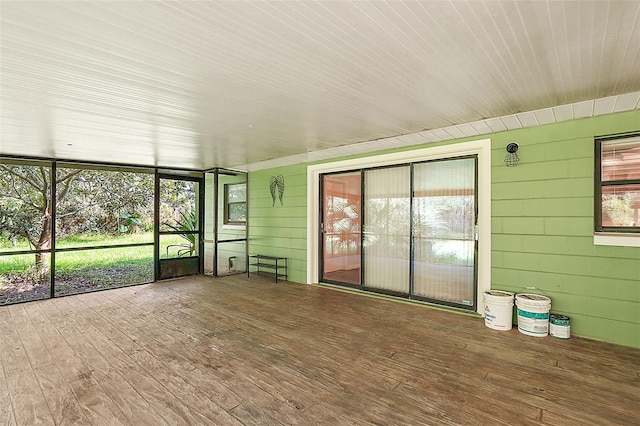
(481, 148)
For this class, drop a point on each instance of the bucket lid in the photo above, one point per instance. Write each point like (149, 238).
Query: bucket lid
(534, 299)
(498, 293)
(529, 296)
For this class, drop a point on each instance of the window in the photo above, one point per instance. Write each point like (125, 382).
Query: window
(235, 203)
(617, 192)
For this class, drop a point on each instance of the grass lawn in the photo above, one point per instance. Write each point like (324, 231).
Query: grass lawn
(91, 259)
(84, 270)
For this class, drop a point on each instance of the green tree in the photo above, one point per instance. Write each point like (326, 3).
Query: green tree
(98, 199)
(86, 201)
(27, 205)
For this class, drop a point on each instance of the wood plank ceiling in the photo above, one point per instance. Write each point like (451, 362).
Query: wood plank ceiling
(225, 84)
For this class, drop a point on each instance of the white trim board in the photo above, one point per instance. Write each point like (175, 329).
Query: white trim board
(620, 240)
(481, 148)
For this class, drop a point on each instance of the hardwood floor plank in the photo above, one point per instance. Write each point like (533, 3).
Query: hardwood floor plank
(201, 374)
(170, 370)
(79, 375)
(106, 340)
(325, 413)
(60, 399)
(113, 384)
(6, 408)
(238, 351)
(28, 402)
(62, 403)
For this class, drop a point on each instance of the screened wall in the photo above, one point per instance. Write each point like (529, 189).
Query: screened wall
(69, 227)
(225, 222)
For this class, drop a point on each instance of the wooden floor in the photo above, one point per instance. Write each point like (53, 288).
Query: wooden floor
(238, 351)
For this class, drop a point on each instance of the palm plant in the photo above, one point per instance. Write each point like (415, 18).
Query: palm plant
(186, 225)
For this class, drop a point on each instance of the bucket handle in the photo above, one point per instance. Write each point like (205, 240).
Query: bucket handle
(534, 289)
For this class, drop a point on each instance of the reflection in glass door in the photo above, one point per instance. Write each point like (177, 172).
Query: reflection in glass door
(387, 223)
(444, 219)
(178, 227)
(340, 229)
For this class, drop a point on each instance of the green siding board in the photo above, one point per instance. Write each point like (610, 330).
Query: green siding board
(615, 251)
(565, 207)
(595, 307)
(531, 243)
(542, 225)
(282, 242)
(496, 225)
(279, 212)
(551, 244)
(268, 248)
(292, 233)
(288, 200)
(571, 285)
(574, 265)
(597, 287)
(573, 187)
(605, 329)
(521, 225)
(627, 269)
(497, 259)
(555, 169)
(503, 278)
(568, 225)
(507, 242)
(278, 222)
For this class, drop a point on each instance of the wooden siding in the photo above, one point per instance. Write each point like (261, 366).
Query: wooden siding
(542, 226)
(280, 230)
(543, 229)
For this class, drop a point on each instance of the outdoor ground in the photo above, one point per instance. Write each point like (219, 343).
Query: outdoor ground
(21, 287)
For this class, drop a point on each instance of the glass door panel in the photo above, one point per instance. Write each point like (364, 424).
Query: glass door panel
(341, 237)
(444, 218)
(387, 225)
(179, 227)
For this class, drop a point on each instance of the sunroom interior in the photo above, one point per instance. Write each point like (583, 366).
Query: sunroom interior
(413, 152)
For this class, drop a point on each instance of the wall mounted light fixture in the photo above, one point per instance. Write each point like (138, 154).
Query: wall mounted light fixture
(512, 159)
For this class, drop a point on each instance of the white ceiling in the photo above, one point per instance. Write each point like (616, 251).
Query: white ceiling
(201, 84)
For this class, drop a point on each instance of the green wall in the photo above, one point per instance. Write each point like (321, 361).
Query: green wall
(280, 230)
(542, 226)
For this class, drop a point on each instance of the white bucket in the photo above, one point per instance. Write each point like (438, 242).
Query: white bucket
(533, 314)
(498, 309)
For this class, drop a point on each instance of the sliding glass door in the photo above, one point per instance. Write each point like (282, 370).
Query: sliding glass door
(387, 224)
(341, 238)
(444, 219)
(418, 235)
